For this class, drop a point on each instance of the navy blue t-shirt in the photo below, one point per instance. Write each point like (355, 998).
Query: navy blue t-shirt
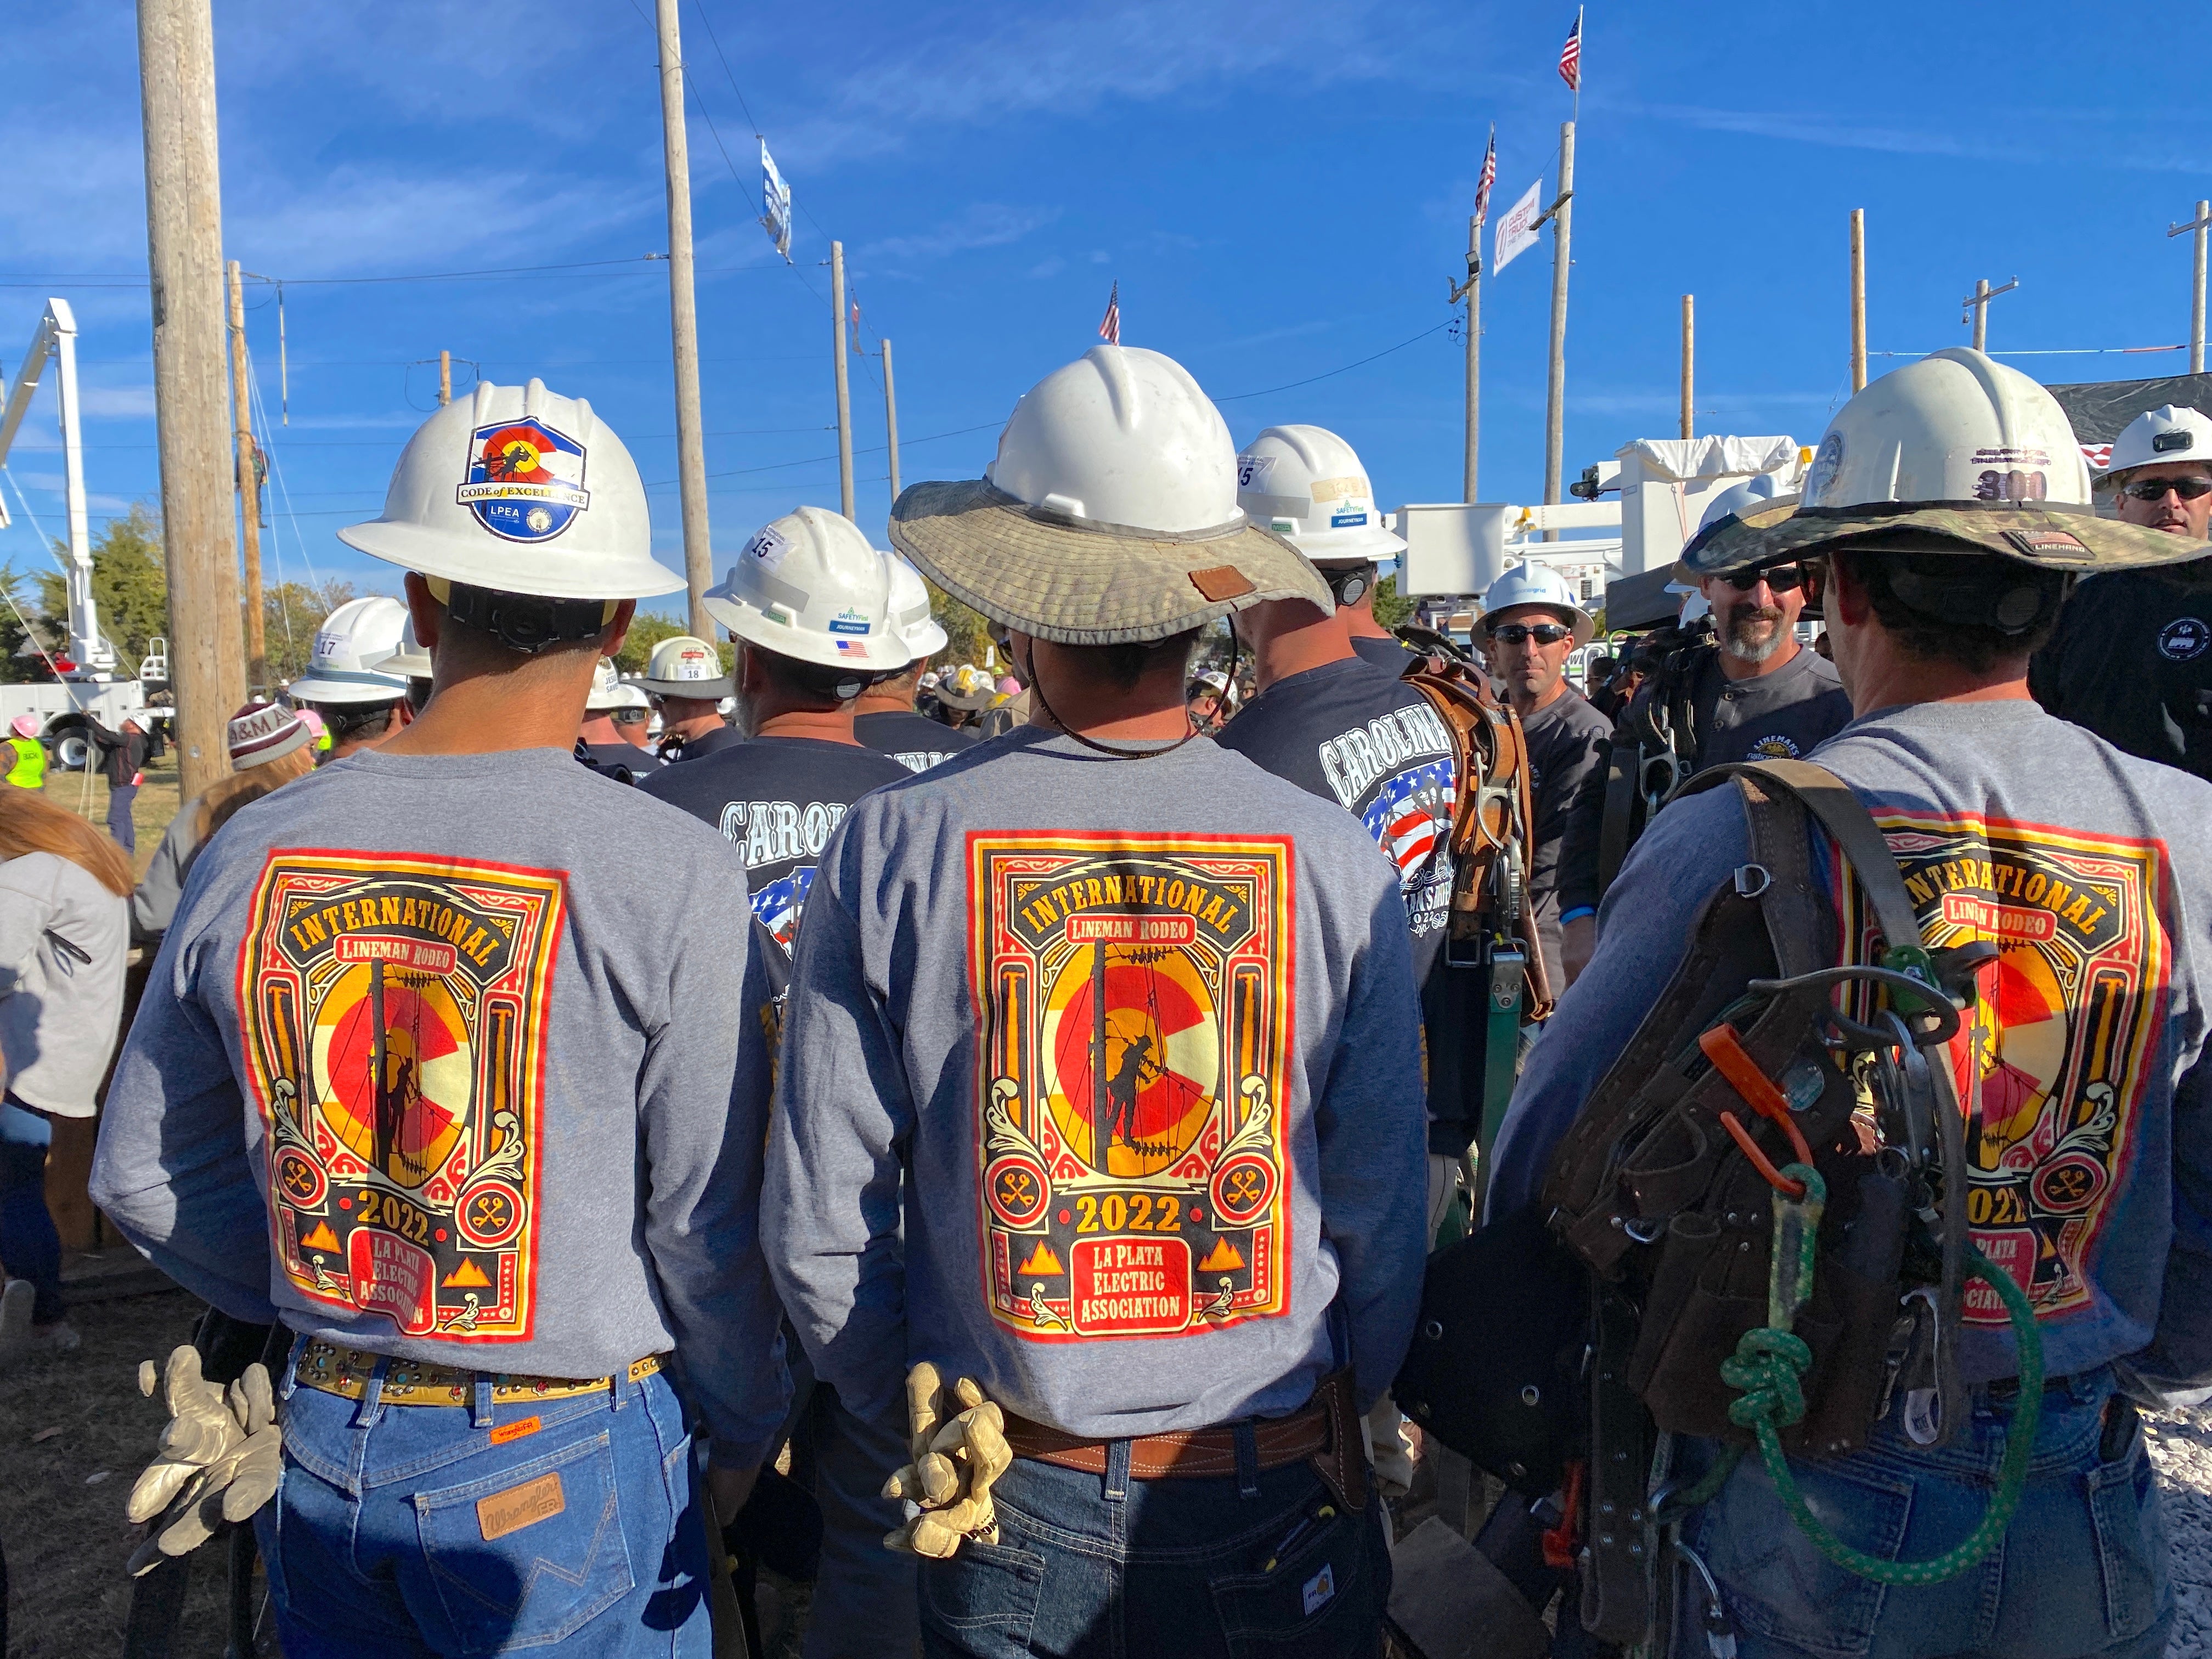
(776, 800)
(914, 741)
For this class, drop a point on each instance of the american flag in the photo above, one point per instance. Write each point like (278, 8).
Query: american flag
(1571, 56)
(1109, 325)
(851, 647)
(2099, 456)
(1489, 178)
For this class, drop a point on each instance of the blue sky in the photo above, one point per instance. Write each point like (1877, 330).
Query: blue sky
(1280, 191)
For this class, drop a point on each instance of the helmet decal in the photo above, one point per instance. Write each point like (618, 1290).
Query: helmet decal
(525, 480)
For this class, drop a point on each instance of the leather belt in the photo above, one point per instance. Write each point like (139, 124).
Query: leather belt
(1324, 1433)
(330, 1369)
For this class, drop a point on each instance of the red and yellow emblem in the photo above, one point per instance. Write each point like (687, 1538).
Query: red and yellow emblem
(2059, 1042)
(395, 1014)
(1132, 1088)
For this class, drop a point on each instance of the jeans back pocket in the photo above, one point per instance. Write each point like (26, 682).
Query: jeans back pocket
(983, 1601)
(1321, 1598)
(2131, 1546)
(523, 1558)
(1777, 1583)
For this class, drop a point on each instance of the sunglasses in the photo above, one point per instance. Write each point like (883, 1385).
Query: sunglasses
(1782, 578)
(2154, 489)
(1518, 633)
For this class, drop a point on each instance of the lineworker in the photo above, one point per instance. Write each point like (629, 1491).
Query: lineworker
(2086, 1152)
(600, 743)
(27, 765)
(685, 679)
(1178, 1329)
(1211, 701)
(361, 706)
(634, 716)
(1529, 623)
(1751, 693)
(2132, 658)
(809, 602)
(1304, 479)
(884, 717)
(122, 762)
(528, 1175)
(411, 662)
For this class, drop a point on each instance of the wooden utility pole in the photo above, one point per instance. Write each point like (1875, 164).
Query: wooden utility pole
(1858, 300)
(249, 487)
(844, 385)
(1561, 214)
(444, 379)
(891, 418)
(183, 247)
(1689, 364)
(2199, 224)
(684, 325)
(1977, 306)
(1471, 291)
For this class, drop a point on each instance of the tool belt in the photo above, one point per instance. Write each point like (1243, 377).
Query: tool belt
(1325, 1433)
(328, 1369)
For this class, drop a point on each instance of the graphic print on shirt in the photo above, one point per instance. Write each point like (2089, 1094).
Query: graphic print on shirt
(1133, 1078)
(775, 832)
(1395, 774)
(395, 1014)
(2066, 1018)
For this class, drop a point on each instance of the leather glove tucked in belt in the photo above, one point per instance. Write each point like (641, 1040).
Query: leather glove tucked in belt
(958, 1442)
(221, 1456)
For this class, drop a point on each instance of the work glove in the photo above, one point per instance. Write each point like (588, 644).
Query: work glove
(957, 1440)
(221, 1456)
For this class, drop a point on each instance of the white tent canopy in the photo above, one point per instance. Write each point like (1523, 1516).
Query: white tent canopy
(1680, 460)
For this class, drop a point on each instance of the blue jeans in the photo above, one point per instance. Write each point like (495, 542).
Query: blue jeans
(2082, 1570)
(120, 823)
(1192, 1568)
(406, 1530)
(864, 1596)
(28, 1243)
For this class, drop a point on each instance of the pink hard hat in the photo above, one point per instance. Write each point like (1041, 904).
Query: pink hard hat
(24, 725)
(1009, 686)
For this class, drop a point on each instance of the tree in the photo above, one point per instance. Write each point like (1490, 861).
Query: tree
(648, 628)
(967, 634)
(1390, 608)
(130, 586)
(19, 623)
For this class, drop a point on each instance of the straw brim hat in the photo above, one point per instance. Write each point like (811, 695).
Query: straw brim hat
(1083, 583)
(2053, 535)
(972, 699)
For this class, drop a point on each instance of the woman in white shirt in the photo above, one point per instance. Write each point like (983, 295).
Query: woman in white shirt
(65, 936)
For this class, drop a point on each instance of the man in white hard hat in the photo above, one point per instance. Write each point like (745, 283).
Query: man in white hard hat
(1530, 620)
(633, 716)
(412, 662)
(884, 717)
(809, 602)
(1211, 700)
(2061, 891)
(600, 743)
(432, 1030)
(1123, 1030)
(1310, 487)
(350, 683)
(687, 682)
(2132, 658)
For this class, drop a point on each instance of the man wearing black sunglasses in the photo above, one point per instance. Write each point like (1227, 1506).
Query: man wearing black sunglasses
(2132, 658)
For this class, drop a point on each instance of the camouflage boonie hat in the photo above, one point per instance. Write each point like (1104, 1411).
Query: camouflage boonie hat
(2053, 535)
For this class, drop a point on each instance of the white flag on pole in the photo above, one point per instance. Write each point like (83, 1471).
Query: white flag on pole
(775, 197)
(1517, 231)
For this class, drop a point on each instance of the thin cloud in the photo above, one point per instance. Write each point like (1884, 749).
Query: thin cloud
(985, 224)
(1830, 131)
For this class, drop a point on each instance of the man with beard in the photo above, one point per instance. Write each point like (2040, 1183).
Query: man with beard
(2132, 658)
(1752, 693)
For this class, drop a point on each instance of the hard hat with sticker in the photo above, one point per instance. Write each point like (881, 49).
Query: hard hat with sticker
(525, 481)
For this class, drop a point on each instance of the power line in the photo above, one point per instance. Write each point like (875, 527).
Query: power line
(1239, 397)
(873, 449)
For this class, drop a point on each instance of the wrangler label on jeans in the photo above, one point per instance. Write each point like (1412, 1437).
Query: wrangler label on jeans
(2060, 1039)
(395, 1015)
(1132, 1082)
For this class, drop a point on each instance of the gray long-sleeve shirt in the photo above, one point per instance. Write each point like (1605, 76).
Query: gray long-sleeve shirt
(2091, 1163)
(1131, 1047)
(63, 942)
(433, 1064)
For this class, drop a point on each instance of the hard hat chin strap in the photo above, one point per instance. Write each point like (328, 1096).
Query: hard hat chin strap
(529, 622)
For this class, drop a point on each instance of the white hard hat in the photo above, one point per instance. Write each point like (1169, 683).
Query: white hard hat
(1306, 484)
(519, 490)
(1957, 426)
(683, 666)
(910, 612)
(1695, 608)
(628, 695)
(606, 690)
(358, 633)
(1739, 499)
(1533, 583)
(407, 658)
(809, 586)
(2170, 434)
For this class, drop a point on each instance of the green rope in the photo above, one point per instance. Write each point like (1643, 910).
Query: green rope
(1771, 1360)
